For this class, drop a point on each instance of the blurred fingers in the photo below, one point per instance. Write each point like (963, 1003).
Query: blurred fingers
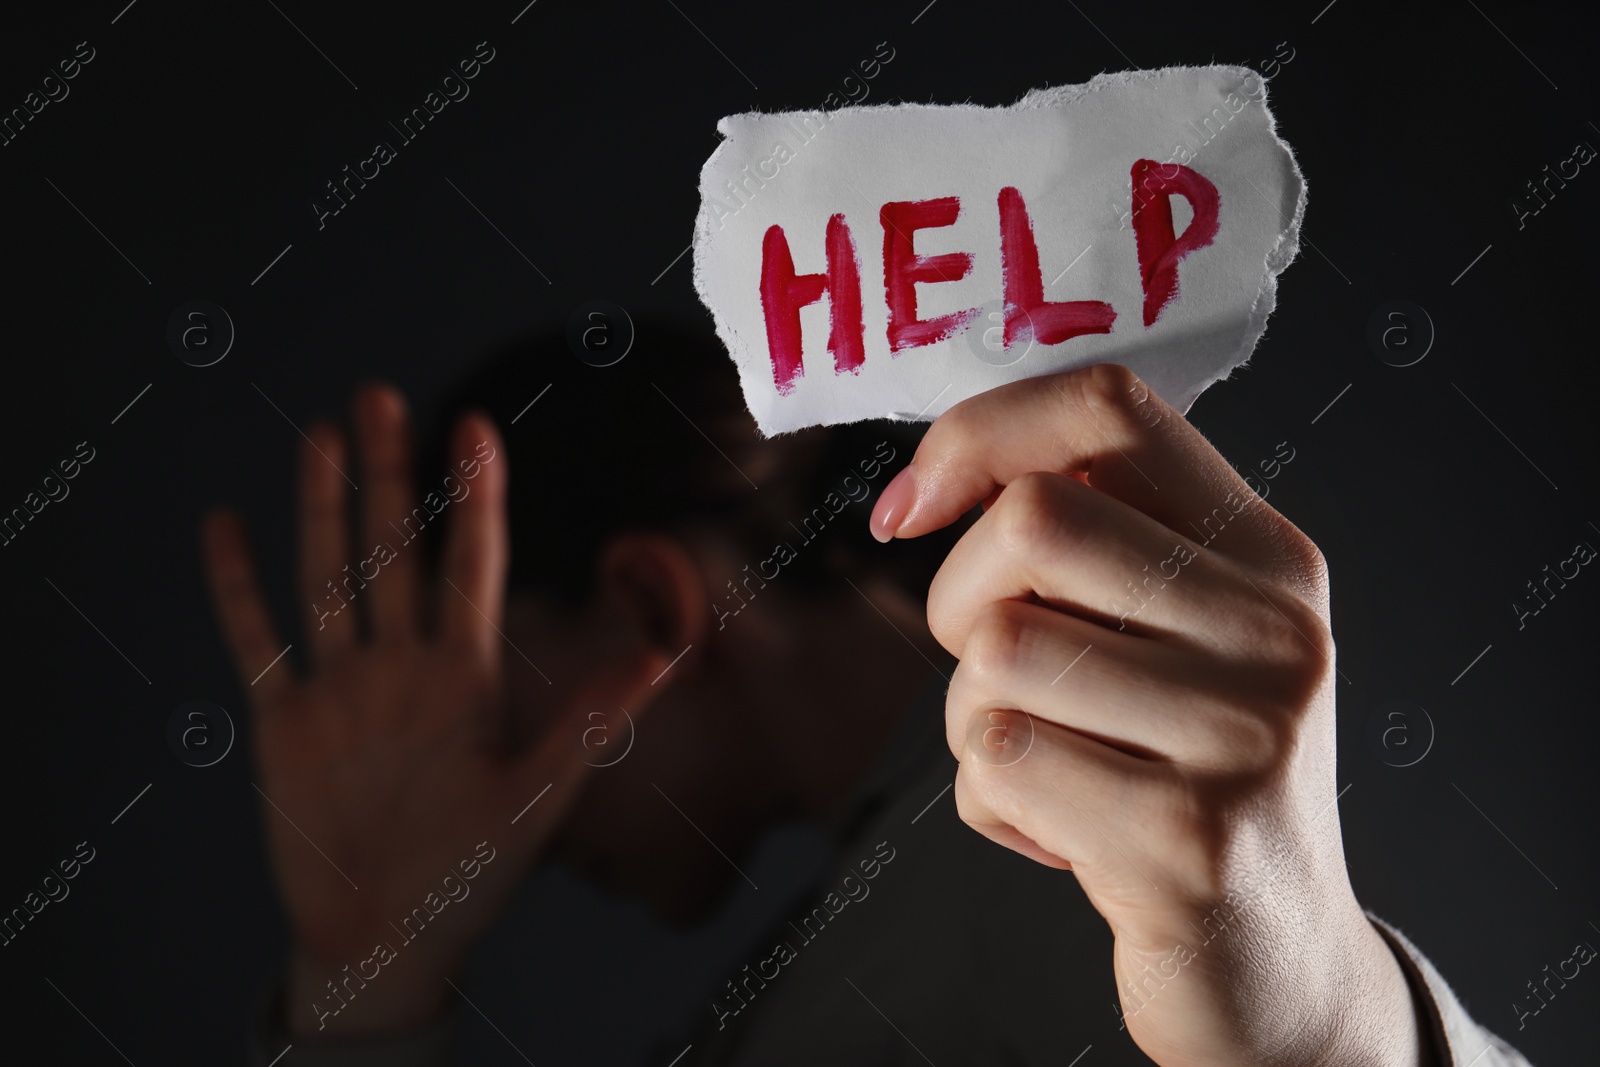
(326, 589)
(388, 497)
(246, 624)
(477, 552)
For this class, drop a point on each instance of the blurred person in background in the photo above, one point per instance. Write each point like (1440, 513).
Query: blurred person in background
(1137, 686)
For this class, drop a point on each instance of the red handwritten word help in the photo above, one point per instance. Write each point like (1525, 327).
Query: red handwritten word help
(1027, 312)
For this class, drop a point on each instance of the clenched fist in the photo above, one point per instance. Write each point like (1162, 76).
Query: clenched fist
(1145, 696)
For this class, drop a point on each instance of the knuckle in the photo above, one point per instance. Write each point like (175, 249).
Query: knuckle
(946, 610)
(1298, 645)
(991, 796)
(1298, 557)
(952, 434)
(942, 621)
(1025, 515)
(958, 711)
(1109, 389)
(1316, 636)
(1304, 560)
(969, 807)
(996, 646)
(1289, 559)
(1253, 739)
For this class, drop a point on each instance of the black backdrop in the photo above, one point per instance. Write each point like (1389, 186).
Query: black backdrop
(184, 160)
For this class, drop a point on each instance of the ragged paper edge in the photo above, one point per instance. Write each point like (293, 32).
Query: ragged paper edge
(1276, 261)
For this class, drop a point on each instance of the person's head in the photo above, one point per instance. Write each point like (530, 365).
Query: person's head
(713, 596)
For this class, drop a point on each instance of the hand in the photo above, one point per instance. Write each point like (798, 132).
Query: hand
(1145, 696)
(394, 763)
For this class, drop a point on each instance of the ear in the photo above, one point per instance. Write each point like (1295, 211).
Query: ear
(655, 589)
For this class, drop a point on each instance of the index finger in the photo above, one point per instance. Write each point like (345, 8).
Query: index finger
(1101, 423)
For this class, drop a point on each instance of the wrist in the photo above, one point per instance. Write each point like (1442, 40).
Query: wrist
(1373, 1015)
(386, 993)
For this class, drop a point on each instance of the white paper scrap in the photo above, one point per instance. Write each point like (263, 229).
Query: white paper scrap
(893, 260)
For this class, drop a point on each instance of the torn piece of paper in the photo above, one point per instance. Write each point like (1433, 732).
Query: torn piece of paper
(893, 260)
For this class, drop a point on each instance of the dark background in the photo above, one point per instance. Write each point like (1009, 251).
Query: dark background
(196, 139)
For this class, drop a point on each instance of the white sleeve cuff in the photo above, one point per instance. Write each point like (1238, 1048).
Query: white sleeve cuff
(1457, 1039)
